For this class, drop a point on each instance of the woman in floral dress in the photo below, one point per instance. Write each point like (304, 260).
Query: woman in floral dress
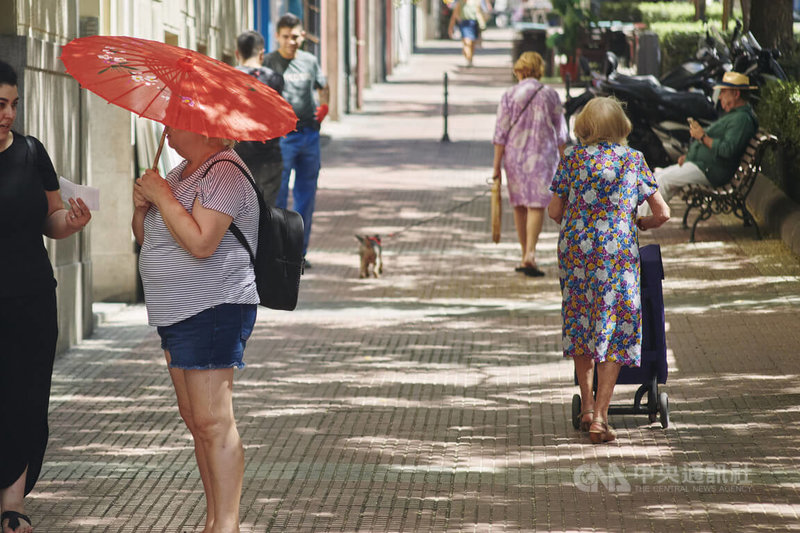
(598, 186)
(529, 134)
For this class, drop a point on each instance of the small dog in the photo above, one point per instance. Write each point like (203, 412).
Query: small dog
(370, 251)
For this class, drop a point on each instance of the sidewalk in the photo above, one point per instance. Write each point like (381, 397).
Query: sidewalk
(436, 398)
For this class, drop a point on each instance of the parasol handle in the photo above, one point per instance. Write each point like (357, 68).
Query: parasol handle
(160, 146)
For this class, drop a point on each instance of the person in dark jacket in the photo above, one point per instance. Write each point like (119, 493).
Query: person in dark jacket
(262, 158)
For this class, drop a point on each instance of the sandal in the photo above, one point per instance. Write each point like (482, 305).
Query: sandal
(13, 518)
(600, 431)
(584, 424)
(531, 271)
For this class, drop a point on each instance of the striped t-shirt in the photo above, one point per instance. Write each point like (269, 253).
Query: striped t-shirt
(178, 285)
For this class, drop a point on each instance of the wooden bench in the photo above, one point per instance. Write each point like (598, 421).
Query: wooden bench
(730, 198)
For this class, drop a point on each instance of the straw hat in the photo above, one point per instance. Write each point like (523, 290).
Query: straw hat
(735, 80)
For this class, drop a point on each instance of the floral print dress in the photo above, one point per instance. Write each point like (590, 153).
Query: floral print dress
(598, 251)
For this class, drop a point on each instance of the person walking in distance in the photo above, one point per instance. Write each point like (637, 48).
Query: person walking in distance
(262, 158)
(300, 150)
(529, 136)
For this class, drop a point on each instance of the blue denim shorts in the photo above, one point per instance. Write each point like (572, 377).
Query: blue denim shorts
(469, 29)
(214, 338)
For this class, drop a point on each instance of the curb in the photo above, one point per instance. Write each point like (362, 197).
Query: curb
(775, 212)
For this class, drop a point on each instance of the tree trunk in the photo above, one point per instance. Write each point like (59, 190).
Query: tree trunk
(746, 13)
(727, 7)
(699, 9)
(772, 27)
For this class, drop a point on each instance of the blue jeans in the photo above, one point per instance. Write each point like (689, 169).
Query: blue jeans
(300, 151)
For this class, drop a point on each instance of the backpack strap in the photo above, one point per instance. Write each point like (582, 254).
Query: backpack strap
(235, 230)
(32, 151)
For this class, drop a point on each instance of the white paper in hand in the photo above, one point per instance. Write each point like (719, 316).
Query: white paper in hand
(89, 195)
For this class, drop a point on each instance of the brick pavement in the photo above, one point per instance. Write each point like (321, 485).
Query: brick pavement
(436, 399)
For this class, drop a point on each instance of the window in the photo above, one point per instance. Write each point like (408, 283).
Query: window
(311, 22)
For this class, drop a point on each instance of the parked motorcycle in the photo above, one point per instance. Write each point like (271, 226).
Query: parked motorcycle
(711, 61)
(748, 57)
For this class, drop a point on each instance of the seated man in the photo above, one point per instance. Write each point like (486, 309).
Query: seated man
(714, 154)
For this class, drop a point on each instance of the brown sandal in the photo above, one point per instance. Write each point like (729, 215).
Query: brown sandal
(584, 425)
(600, 431)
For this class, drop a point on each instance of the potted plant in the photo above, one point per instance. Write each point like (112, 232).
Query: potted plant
(574, 24)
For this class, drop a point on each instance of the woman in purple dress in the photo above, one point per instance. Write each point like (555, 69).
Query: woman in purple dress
(529, 136)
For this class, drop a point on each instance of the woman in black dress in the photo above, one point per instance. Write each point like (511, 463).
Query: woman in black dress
(32, 207)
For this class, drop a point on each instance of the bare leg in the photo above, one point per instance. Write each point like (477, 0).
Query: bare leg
(535, 219)
(584, 369)
(468, 48)
(211, 399)
(521, 223)
(600, 431)
(184, 407)
(12, 498)
(607, 374)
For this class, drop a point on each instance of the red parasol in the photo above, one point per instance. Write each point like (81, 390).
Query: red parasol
(178, 87)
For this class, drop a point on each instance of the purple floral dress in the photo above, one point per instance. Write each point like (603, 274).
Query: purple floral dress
(531, 145)
(598, 252)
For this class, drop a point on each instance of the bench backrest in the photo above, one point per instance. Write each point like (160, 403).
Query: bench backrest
(750, 163)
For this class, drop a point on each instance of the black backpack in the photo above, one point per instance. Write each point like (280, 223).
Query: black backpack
(278, 262)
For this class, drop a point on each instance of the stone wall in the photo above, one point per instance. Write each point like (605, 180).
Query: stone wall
(50, 110)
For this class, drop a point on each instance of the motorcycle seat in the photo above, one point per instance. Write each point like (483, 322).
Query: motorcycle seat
(643, 81)
(691, 104)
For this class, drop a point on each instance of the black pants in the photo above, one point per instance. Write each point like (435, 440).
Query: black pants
(28, 334)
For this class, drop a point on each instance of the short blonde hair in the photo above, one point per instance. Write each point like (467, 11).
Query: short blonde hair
(529, 65)
(602, 119)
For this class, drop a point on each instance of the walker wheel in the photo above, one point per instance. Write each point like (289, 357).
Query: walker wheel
(576, 411)
(663, 409)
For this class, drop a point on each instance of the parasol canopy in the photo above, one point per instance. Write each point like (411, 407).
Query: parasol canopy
(178, 87)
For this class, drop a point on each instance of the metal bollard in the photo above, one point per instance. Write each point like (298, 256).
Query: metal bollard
(445, 137)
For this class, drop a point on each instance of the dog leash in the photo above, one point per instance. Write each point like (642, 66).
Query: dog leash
(440, 215)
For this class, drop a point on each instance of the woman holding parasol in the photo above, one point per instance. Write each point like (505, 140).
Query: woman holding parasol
(198, 279)
(200, 293)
